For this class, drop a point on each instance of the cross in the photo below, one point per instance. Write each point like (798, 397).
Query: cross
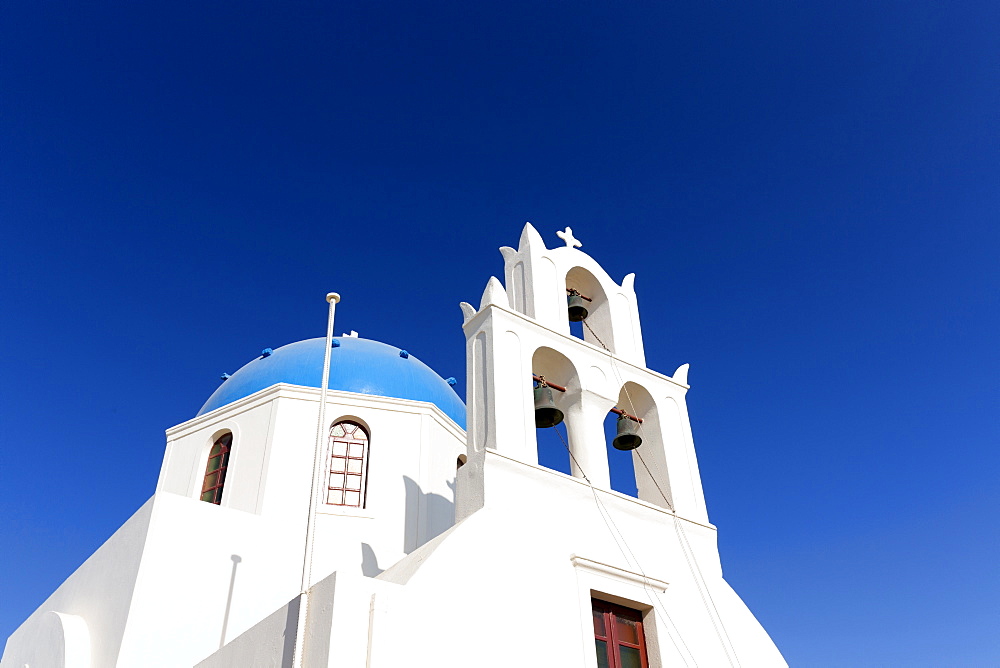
(568, 237)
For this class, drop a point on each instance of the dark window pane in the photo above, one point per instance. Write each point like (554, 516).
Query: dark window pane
(215, 469)
(625, 628)
(630, 657)
(599, 628)
(602, 654)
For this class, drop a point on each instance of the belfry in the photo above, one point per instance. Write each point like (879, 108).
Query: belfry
(334, 503)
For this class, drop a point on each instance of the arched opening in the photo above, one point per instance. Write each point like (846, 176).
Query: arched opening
(553, 443)
(620, 464)
(215, 470)
(649, 463)
(347, 473)
(596, 328)
(460, 462)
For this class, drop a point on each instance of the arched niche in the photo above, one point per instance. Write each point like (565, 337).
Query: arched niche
(597, 328)
(648, 460)
(558, 369)
(55, 640)
(621, 472)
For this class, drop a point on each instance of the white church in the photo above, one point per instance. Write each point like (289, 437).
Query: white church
(335, 503)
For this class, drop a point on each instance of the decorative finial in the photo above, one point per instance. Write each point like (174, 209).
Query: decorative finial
(266, 352)
(224, 376)
(332, 297)
(567, 236)
(404, 354)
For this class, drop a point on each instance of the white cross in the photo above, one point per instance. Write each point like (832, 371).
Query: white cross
(568, 237)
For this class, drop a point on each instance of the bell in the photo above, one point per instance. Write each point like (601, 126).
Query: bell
(628, 434)
(577, 308)
(546, 413)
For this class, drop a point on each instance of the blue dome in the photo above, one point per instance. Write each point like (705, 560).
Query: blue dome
(357, 365)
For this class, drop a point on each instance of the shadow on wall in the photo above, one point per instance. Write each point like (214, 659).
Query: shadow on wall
(427, 514)
(291, 626)
(229, 600)
(369, 562)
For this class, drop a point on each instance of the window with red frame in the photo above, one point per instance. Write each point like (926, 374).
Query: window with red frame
(215, 470)
(619, 637)
(348, 471)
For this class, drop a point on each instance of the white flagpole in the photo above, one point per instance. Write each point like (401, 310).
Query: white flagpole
(300, 631)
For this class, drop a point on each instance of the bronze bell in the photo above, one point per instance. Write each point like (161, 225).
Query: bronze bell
(577, 307)
(628, 434)
(546, 412)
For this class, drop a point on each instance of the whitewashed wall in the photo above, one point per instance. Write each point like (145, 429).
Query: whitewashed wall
(183, 577)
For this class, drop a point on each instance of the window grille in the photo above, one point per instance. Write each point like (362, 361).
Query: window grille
(215, 470)
(347, 478)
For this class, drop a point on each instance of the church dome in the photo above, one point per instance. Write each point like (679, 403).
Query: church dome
(356, 365)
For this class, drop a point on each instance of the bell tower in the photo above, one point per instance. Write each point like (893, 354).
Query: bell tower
(520, 339)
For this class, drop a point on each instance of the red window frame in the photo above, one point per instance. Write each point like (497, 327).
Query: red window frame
(215, 469)
(347, 470)
(617, 631)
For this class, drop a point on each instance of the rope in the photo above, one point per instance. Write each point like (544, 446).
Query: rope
(591, 330)
(652, 477)
(707, 592)
(621, 381)
(609, 522)
(703, 589)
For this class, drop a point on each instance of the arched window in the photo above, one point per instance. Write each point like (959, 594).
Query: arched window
(348, 474)
(215, 471)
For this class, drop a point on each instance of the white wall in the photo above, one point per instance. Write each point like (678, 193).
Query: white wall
(503, 587)
(98, 592)
(183, 577)
(512, 585)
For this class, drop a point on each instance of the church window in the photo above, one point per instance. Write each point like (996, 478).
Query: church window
(215, 470)
(348, 471)
(619, 637)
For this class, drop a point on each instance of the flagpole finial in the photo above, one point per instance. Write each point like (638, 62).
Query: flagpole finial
(332, 297)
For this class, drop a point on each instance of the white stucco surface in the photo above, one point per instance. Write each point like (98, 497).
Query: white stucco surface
(493, 563)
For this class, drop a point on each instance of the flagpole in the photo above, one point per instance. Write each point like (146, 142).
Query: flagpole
(300, 631)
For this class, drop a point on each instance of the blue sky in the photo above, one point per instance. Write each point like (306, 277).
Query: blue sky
(808, 194)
